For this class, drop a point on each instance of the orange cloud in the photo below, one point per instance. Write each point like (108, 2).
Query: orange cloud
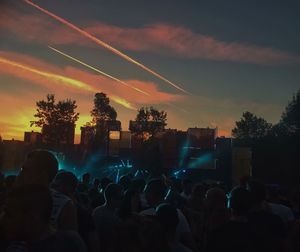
(182, 42)
(155, 97)
(70, 78)
(74, 83)
(35, 74)
(163, 39)
(38, 28)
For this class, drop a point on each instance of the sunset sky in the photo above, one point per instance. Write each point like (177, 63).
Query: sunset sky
(218, 58)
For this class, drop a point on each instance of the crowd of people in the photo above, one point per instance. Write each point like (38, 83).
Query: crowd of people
(44, 209)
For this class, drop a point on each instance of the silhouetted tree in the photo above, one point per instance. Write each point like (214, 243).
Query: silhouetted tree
(251, 127)
(149, 121)
(275, 151)
(102, 115)
(102, 110)
(57, 120)
(289, 124)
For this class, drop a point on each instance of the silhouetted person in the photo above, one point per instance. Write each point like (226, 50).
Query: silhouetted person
(216, 212)
(106, 219)
(131, 204)
(65, 183)
(279, 209)
(84, 185)
(64, 186)
(96, 184)
(173, 195)
(152, 235)
(125, 182)
(167, 216)
(187, 186)
(196, 201)
(268, 227)
(235, 235)
(195, 213)
(40, 167)
(26, 223)
(104, 182)
(155, 192)
(131, 221)
(96, 198)
(138, 184)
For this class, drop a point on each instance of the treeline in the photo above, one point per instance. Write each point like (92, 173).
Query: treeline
(58, 119)
(275, 148)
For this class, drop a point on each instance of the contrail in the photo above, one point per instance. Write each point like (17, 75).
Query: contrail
(105, 45)
(98, 71)
(122, 102)
(63, 79)
(53, 77)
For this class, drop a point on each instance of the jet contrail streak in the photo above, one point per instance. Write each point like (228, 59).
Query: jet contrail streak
(98, 71)
(105, 45)
(48, 75)
(63, 79)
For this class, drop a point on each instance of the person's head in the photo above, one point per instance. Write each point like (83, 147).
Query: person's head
(199, 191)
(96, 183)
(239, 201)
(176, 184)
(125, 182)
(65, 182)
(104, 182)
(155, 192)
(215, 198)
(39, 167)
(113, 195)
(138, 184)
(257, 191)
(187, 186)
(27, 212)
(86, 178)
(131, 203)
(167, 216)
